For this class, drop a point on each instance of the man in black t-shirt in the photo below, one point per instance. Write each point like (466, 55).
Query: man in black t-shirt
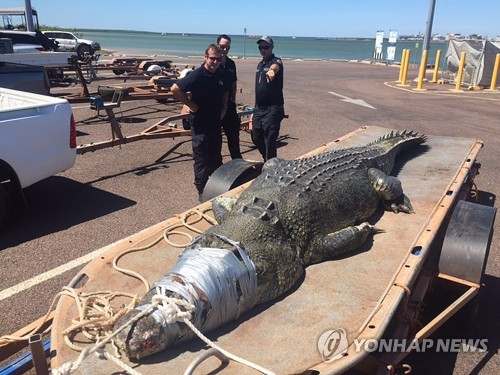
(269, 109)
(230, 122)
(207, 106)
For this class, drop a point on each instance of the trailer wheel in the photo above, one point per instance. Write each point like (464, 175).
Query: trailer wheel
(82, 49)
(230, 175)
(467, 241)
(5, 206)
(118, 71)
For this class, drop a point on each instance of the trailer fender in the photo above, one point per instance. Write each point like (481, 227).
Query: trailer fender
(230, 175)
(467, 241)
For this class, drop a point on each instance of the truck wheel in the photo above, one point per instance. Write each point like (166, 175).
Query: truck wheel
(118, 71)
(82, 49)
(5, 206)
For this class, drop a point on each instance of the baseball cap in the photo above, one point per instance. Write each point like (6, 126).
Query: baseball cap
(266, 39)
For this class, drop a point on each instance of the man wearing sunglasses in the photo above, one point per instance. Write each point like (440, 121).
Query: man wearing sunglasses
(230, 122)
(207, 106)
(269, 110)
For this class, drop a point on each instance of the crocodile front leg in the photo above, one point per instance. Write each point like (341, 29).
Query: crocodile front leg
(339, 243)
(390, 190)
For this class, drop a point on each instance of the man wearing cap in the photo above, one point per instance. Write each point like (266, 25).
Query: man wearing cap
(269, 110)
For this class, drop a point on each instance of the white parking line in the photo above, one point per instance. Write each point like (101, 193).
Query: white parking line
(9, 292)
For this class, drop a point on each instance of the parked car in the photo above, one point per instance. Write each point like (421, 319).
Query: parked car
(70, 42)
(28, 41)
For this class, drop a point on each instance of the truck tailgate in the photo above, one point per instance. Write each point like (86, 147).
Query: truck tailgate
(35, 135)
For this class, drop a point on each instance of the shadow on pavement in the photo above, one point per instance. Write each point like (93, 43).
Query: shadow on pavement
(171, 156)
(57, 203)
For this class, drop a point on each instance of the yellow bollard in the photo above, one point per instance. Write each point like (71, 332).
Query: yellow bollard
(495, 73)
(460, 71)
(403, 56)
(423, 67)
(436, 66)
(405, 68)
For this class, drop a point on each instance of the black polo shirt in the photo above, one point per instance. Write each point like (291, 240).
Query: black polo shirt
(229, 69)
(206, 90)
(271, 93)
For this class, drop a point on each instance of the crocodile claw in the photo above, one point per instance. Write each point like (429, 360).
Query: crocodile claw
(398, 206)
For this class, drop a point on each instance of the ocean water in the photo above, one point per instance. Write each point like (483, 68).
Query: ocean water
(183, 45)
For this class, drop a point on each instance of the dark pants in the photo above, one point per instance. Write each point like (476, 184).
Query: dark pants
(231, 125)
(266, 128)
(207, 156)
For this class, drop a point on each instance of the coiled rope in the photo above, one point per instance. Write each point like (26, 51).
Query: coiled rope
(170, 309)
(96, 317)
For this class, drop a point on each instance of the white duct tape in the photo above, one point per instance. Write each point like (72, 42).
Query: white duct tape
(220, 284)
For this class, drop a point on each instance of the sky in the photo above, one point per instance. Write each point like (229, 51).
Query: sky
(315, 18)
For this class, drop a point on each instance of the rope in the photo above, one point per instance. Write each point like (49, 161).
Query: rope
(170, 230)
(10, 338)
(96, 317)
(170, 308)
(130, 272)
(103, 354)
(69, 367)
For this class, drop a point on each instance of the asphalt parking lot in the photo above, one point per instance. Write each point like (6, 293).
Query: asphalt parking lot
(112, 193)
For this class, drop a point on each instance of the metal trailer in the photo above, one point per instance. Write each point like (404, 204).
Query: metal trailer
(169, 127)
(376, 293)
(131, 65)
(158, 88)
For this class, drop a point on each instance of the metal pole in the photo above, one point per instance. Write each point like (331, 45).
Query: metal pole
(38, 355)
(495, 72)
(244, 42)
(428, 30)
(402, 68)
(29, 15)
(423, 67)
(405, 68)
(460, 71)
(436, 66)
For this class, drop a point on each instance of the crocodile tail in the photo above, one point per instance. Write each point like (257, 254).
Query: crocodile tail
(400, 141)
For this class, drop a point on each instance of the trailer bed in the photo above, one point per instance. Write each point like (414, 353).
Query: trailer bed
(359, 293)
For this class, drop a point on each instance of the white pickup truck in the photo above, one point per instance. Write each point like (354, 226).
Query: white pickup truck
(37, 140)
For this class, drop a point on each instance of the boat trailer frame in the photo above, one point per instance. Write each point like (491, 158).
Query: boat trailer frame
(165, 128)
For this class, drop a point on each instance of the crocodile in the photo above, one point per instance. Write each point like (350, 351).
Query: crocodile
(294, 214)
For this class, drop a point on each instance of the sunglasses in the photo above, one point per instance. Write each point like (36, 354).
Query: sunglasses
(225, 47)
(264, 47)
(213, 58)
